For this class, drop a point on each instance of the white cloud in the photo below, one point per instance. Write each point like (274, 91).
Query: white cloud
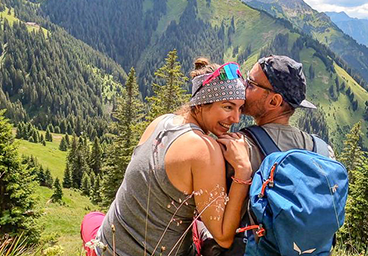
(345, 3)
(354, 10)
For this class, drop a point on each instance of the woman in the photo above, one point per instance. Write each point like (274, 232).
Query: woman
(178, 170)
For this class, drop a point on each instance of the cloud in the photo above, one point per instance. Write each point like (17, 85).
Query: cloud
(345, 3)
(360, 11)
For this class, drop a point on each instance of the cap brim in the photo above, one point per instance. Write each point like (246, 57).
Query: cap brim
(307, 104)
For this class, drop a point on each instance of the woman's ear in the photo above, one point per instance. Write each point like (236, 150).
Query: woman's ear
(198, 109)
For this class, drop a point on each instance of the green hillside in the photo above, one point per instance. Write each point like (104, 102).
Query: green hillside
(9, 15)
(320, 27)
(60, 221)
(224, 31)
(63, 221)
(49, 157)
(48, 76)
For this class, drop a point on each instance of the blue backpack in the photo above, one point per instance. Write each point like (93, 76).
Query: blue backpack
(296, 200)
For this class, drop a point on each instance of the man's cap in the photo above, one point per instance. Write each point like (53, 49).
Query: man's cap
(287, 78)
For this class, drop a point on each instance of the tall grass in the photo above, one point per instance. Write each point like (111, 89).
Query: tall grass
(17, 246)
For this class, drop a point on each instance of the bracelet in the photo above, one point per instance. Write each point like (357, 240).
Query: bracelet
(240, 181)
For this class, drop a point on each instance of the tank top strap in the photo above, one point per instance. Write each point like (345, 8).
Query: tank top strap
(168, 133)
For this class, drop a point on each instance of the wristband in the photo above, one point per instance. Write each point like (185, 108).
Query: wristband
(240, 181)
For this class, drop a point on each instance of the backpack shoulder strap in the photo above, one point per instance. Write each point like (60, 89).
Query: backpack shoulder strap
(320, 146)
(262, 139)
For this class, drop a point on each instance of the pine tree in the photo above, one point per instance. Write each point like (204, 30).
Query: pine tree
(30, 139)
(19, 131)
(70, 158)
(352, 154)
(41, 177)
(129, 117)
(50, 127)
(67, 140)
(35, 136)
(57, 129)
(48, 135)
(96, 157)
(48, 178)
(63, 146)
(58, 192)
(16, 187)
(86, 184)
(169, 96)
(77, 160)
(95, 193)
(355, 229)
(67, 182)
(92, 178)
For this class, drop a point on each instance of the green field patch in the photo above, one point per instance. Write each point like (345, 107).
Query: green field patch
(31, 26)
(63, 219)
(339, 114)
(48, 156)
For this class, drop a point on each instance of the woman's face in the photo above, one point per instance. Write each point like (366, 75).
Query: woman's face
(219, 116)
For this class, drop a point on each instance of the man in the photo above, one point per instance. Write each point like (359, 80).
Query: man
(275, 87)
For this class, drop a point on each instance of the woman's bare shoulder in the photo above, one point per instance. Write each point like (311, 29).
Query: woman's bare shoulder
(199, 145)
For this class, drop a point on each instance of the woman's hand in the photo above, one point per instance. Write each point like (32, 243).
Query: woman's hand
(236, 151)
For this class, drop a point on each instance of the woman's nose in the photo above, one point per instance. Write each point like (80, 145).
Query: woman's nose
(235, 117)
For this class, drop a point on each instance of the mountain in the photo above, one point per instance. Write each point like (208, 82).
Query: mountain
(140, 33)
(228, 30)
(356, 28)
(320, 27)
(48, 76)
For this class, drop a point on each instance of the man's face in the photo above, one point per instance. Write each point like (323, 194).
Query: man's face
(258, 88)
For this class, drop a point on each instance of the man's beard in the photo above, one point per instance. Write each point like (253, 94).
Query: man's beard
(255, 109)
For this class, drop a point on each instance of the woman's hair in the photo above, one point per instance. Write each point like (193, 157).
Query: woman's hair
(201, 66)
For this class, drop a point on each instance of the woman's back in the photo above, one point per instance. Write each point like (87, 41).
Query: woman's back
(147, 186)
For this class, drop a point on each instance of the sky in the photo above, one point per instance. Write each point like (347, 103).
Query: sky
(353, 8)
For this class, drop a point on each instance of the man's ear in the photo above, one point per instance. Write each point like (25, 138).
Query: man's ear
(276, 100)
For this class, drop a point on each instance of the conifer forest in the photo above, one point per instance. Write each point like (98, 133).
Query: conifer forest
(80, 80)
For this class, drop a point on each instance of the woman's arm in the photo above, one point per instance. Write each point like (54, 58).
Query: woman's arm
(220, 212)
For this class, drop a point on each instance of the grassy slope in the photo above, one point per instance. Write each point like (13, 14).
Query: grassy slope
(253, 28)
(339, 114)
(64, 220)
(61, 219)
(11, 19)
(49, 156)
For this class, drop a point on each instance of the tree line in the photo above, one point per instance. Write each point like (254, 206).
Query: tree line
(47, 77)
(98, 171)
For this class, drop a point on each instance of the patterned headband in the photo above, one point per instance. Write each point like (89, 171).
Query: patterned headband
(216, 90)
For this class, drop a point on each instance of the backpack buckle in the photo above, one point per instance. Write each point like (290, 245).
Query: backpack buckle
(260, 231)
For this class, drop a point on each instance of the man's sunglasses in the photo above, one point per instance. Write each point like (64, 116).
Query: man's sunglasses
(228, 71)
(249, 83)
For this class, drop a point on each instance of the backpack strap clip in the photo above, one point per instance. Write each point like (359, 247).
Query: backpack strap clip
(269, 182)
(260, 230)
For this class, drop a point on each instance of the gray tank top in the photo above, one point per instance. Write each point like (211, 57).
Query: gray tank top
(148, 211)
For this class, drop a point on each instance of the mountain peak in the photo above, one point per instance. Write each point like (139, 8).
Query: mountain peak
(338, 16)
